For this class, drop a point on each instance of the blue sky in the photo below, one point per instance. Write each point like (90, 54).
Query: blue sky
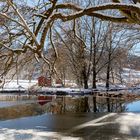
(137, 49)
(32, 2)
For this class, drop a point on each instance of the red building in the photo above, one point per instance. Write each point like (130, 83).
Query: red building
(44, 82)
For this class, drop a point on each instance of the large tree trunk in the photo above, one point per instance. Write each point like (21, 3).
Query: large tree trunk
(85, 78)
(85, 84)
(107, 84)
(94, 79)
(94, 69)
(108, 76)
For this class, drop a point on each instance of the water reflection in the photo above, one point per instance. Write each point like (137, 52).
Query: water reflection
(133, 106)
(12, 110)
(87, 104)
(35, 105)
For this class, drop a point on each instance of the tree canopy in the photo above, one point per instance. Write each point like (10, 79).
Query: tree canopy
(25, 29)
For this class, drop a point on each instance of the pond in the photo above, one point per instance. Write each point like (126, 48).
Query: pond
(12, 107)
(61, 104)
(133, 106)
(68, 118)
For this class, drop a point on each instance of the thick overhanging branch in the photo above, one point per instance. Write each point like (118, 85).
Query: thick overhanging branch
(109, 18)
(100, 16)
(126, 10)
(107, 6)
(91, 11)
(47, 14)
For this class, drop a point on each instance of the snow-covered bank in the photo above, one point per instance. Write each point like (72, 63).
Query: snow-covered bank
(129, 76)
(20, 84)
(26, 87)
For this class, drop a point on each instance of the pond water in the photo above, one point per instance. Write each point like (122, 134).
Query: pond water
(63, 104)
(14, 103)
(69, 118)
(133, 106)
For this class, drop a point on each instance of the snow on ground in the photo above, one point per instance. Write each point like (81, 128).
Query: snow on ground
(130, 77)
(21, 84)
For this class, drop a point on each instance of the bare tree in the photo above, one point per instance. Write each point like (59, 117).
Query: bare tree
(30, 26)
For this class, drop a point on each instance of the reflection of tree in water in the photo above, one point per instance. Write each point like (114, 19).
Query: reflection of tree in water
(110, 105)
(88, 104)
(82, 105)
(24, 110)
(109, 102)
(64, 105)
(70, 104)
